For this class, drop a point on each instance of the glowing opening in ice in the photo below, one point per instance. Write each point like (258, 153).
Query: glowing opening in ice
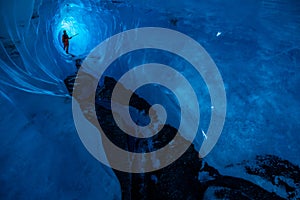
(92, 24)
(75, 20)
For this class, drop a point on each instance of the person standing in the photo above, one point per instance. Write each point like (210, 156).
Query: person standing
(65, 40)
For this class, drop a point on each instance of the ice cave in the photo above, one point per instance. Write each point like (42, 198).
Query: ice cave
(234, 62)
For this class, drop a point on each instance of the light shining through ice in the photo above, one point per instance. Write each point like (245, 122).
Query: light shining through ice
(255, 46)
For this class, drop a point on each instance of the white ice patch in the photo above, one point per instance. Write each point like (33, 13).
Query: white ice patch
(205, 136)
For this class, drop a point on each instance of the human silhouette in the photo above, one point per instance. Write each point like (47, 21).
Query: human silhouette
(65, 40)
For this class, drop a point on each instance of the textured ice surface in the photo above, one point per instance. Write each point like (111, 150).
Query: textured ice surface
(257, 53)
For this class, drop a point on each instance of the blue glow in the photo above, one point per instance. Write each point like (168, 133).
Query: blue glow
(72, 21)
(82, 20)
(255, 44)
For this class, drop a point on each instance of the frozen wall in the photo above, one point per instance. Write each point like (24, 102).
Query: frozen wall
(255, 46)
(41, 154)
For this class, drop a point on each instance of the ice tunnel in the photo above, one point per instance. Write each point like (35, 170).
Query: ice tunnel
(255, 46)
(82, 20)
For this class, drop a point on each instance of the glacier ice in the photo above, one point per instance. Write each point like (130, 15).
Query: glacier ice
(255, 46)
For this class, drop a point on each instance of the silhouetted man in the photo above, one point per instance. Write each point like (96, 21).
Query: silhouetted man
(65, 40)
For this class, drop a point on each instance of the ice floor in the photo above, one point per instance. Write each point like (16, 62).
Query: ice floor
(255, 45)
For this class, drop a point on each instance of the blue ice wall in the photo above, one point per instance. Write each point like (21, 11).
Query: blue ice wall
(90, 22)
(255, 45)
(41, 154)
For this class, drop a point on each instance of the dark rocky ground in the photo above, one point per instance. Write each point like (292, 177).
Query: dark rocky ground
(190, 177)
